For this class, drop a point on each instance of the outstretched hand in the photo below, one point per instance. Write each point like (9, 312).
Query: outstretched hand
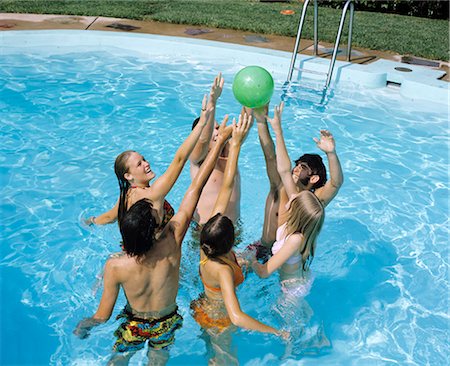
(240, 129)
(224, 132)
(326, 142)
(261, 114)
(207, 109)
(284, 335)
(275, 122)
(90, 221)
(216, 88)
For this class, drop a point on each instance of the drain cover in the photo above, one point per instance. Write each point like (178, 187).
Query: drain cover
(403, 69)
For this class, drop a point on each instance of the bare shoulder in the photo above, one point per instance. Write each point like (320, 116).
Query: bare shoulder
(295, 238)
(118, 260)
(167, 236)
(171, 227)
(222, 269)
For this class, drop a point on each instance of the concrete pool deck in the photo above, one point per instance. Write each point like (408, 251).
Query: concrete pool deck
(10, 21)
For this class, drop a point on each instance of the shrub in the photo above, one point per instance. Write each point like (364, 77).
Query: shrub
(437, 9)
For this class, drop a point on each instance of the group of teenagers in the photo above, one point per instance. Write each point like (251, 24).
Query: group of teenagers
(148, 268)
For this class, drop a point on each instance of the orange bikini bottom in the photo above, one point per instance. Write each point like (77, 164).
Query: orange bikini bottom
(207, 321)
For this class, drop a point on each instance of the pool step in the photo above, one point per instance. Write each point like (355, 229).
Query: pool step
(311, 71)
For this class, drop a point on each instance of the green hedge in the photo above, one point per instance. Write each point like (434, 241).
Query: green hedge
(436, 9)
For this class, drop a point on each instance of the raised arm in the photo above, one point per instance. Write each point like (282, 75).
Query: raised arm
(165, 182)
(327, 144)
(201, 148)
(237, 316)
(267, 146)
(111, 289)
(240, 131)
(283, 162)
(183, 217)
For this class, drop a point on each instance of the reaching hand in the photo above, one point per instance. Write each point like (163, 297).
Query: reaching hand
(216, 88)
(225, 131)
(81, 333)
(275, 122)
(285, 335)
(240, 130)
(326, 142)
(85, 325)
(207, 109)
(261, 114)
(247, 110)
(256, 266)
(90, 221)
(83, 328)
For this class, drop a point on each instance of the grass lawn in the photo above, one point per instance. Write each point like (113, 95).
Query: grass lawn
(405, 35)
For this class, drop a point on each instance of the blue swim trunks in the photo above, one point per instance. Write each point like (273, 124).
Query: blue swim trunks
(134, 332)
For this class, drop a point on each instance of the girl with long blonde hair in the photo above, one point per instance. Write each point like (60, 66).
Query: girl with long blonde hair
(295, 244)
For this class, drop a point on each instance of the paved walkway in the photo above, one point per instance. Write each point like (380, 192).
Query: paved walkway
(33, 21)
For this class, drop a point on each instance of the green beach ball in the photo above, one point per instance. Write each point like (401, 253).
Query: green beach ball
(253, 86)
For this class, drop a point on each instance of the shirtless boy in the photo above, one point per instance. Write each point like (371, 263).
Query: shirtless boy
(309, 173)
(204, 144)
(148, 272)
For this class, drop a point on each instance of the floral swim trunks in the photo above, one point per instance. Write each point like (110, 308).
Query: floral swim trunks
(134, 332)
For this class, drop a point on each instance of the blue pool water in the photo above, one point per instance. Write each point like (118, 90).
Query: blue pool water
(380, 295)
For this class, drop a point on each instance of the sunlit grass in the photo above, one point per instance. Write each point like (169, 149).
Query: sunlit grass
(422, 37)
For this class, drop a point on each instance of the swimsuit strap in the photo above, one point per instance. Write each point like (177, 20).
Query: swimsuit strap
(231, 262)
(211, 288)
(237, 270)
(238, 276)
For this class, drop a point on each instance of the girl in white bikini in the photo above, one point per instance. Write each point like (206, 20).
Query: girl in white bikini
(295, 243)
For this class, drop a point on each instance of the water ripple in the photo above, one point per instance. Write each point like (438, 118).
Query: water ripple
(382, 259)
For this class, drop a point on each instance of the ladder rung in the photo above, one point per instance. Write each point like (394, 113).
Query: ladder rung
(311, 71)
(348, 4)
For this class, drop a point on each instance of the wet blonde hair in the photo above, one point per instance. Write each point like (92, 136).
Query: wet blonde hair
(306, 216)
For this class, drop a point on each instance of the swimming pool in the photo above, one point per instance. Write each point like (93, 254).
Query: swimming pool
(381, 289)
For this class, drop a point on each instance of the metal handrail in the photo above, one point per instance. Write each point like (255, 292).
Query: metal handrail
(299, 33)
(349, 3)
(338, 39)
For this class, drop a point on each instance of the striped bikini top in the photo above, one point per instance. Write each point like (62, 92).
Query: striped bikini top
(169, 212)
(237, 271)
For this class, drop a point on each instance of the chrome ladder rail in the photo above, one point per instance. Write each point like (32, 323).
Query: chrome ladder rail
(299, 34)
(349, 3)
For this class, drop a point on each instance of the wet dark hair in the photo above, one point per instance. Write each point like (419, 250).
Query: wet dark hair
(315, 163)
(121, 168)
(195, 122)
(217, 236)
(138, 228)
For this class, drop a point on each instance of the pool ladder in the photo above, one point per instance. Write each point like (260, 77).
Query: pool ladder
(348, 4)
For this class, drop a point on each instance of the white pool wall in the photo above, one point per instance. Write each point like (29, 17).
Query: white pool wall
(419, 83)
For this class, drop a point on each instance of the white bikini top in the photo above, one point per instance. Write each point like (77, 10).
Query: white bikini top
(281, 239)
